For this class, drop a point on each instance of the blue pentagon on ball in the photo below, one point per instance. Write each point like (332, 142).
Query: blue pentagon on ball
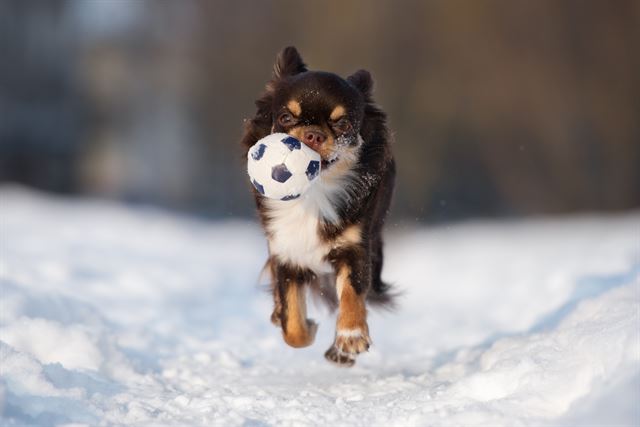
(291, 142)
(313, 170)
(290, 197)
(259, 152)
(258, 187)
(280, 173)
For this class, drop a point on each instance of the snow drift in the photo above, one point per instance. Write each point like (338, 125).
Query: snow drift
(118, 315)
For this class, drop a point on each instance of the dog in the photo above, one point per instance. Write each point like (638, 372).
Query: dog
(329, 240)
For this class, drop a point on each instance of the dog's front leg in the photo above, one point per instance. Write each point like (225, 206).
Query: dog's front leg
(353, 279)
(290, 312)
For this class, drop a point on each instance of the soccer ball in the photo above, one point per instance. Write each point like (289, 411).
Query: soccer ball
(281, 167)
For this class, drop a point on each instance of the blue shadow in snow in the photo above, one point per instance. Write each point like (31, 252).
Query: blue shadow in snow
(586, 287)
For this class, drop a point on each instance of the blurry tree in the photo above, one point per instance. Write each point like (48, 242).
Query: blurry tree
(498, 107)
(40, 106)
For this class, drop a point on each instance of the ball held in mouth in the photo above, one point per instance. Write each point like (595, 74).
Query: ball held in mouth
(281, 167)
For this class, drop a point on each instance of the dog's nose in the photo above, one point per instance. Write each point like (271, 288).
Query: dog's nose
(314, 139)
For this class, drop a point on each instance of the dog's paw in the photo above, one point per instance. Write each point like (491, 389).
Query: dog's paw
(341, 359)
(347, 345)
(352, 341)
(298, 336)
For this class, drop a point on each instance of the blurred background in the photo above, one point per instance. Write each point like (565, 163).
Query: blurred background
(499, 108)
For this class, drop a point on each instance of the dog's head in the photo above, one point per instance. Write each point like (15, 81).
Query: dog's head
(321, 109)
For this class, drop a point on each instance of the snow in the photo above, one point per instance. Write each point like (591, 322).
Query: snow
(112, 314)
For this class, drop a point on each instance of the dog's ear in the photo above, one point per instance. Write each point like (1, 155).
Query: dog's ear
(363, 81)
(288, 63)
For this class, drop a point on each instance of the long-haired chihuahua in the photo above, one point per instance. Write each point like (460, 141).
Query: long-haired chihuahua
(330, 239)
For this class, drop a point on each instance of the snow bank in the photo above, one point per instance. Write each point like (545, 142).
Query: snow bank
(120, 315)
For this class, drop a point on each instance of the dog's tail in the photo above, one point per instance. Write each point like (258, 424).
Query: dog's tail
(383, 296)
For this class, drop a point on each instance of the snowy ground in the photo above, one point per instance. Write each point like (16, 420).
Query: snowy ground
(114, 315)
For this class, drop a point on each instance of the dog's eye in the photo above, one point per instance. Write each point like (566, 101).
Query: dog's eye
(285, 119)
(342, 126)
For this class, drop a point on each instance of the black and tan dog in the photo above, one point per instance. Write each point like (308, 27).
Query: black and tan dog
(333, 233)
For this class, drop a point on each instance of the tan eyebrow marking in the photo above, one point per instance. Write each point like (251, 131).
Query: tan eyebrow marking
(294, 107)
(337, 112)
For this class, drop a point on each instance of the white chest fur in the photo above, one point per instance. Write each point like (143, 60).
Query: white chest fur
(293, 224)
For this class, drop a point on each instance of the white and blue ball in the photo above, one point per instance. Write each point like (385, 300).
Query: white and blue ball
(281, 167)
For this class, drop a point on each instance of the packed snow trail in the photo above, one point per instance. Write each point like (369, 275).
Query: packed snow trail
(117, 315)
